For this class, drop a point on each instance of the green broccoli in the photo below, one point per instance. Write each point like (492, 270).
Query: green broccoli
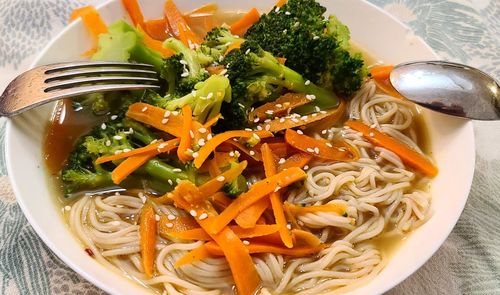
(315, 47)
(219, 39)
(256, 76)
(237, 186)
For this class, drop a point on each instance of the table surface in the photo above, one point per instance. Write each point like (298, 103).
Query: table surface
(466, 31)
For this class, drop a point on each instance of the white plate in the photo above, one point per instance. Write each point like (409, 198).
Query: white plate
(452, 146)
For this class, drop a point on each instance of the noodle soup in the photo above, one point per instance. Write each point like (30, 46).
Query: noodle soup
(353, 212)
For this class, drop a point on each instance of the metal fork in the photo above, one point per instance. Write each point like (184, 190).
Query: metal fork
(47, 83)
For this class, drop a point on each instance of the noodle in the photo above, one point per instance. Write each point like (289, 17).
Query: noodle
(383, 198)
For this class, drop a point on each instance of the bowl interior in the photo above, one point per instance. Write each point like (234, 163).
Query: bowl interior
(452, 146)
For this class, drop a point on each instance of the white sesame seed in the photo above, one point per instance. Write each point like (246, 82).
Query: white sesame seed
(202, 130)
(209, 136)
(323, 131)
(315, 37)
(164, 121)
(277, 188)
(175, 113)
(314, 115)
(108, 142)
(190, 151)
(201, 142)
(171, 217)
(248, 129)
(306, 167)
(311, 96)
(231, 154)
(285, 31)
(191, 133)
(247, 51)
(170, 182)
(221, 178)
(322, 112)
(114, 117)
(307, 82)
(223, 72)
(371, 134)
(252, 153)
(267, 120)
(268, 127)
(287, 13)
(169, 225)
(295, 120)
(184, 74)
(279, 105)
(269, 112)
(328, 144)
(144, 109)
(195, 155)
(118, 137)
(103, 126)
(203, 216)
(300, 132)
(289, 226)
(282, 161)
(157, 217)
(342, 149)
(176, 170)
(245, 242)
(256, 120)
(126, 150)
(210, 95)
(67, 208)
(276, 9)
(317, 109)
(282, 120)
(183, 62)
(316, 150)
(193, 213)
(130, 131)
(237, 154)
(310, 150)
(166, 114)
(117, 152)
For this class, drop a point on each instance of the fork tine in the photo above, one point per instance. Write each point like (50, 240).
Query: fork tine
(96, 71)
(75, 82)
(86, 64)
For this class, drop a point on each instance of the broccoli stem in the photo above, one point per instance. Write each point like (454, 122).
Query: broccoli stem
(162, 171)
(142, 54)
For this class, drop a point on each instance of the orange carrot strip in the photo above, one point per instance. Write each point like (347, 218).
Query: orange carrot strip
(281, 3)
(254, 248)
(215, 184)
(248, 218)
(288, 122)
(128, 166)
(279, 107)
(209, 8)
(331, 118)
(302, 237)
(92, 21)
(279, 215)
(153, 148)
(220, 200)
(242, 25)
(212, 121)
(213, 143)
(157, 28)
(185, 142)
(408, 155)
(381, 72)
(179, 25)
(253, 154)
(215, 70)
(179, 224)
(281, 60)
(199, 234)
(187, 36)
(194, 255)
(154, 116)
(242, 267)
(258, 191)
(335, 208)
(134, 10)
(321, 148)
(296, 160)
(147, 232)
(235, 45)
(154, 44)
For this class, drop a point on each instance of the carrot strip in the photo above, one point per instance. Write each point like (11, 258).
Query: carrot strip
(408, 155)
(157, 28)
(281, 3)
(209, 8)
(321, 148)
(213, 143)
(212, 121)
(293, 121)
(134, 11)
(302, 237)
(235, 45)
(194, 255)
(281, 60)
(279, 215)
(185, 142)
(242, 267)
(220, 200)
(153, 148)
(248, 217)
(254, 248)
(243, 233)
(381, 72)
(155, 117)
(251, 153)
(92, 21)
(154, 44)
(215, 184)
(279, 107)
(296, 160)
(335, 208)
(259, 190)
(215, 70)
(179, 25)
(187, 36)
(331, 118)
(147, 232)
(178, 224)
(128, 166)
(242, 25)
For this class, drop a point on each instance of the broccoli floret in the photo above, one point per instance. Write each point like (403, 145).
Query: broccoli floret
(219, 39)
(205, 100)
(316, 47)
(257, 76)
(237, 186)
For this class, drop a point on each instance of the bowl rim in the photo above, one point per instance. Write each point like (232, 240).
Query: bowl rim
(468, 127)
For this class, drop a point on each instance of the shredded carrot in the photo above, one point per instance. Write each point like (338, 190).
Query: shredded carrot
(321, 148)
(154, 44)
(213, 168)
(153, 148)
(279, 215)
(215, 184)
(194, 255)
(128, 166)
(220, 200)
(248, 218)
(213, 143)
(212, 121)
(185, 142)
(279, 107)
(199, 234)
(335, 208)
(134, 10)
(155, 117)
(305, 238)
(254, 248)
(381, 72)
(331, 118)
(258, 190)
(281, 3)
(187, 36)
(296, 160)
(215, 70)
(242, 25)
(93, 22)
(235, 45)
(288, 122)
(147, 232)
(408, 155)
(251, 153)
(178, 224)
(179, 26)
(157, 28)
(281, 60)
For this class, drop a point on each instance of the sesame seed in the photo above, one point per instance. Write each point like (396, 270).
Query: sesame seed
(117, 152)
(245, 242)
(103, 126)
(315, 37)
(342, 149)
(304, 118)
(176, 170)
(316, 150)
(209, 136)
(118, 137)
(126, 150)
(307, 82)
(114, 117)
(277, 188)
(259, 128)
(252, 153)
(223, 72)
(221, 178)
(175, 113)
(306, 167)
(289, 226)
(256, 120)
(195, 155)
(185, 74)
(169, 225)
(190, 151)
(193, 213)
(201, 142)
(108, 142)
(247, 51)
(314, 115)
(287, 13)
(276, 9)
(67, 208)
(191, 133)
(323, 131)
(248, 129)
(231, 154)
(329, 144)
(170, 182)
(269, 112)
(171, 217)
(371, 134)
(295, 120)
(267, 120)
(300, 132)
(203, 216)
(193, 93)
(282, 161)
(268, 127)
(322, 112)
(144, 109)
(256, 136)
(282, 120)
(311, 96)
(202, 130)
(210, 95)
(164, 121)
(317, 109)
(130, 131)
(310, 150)
(285, 31)
(157, 217)
(166, 114)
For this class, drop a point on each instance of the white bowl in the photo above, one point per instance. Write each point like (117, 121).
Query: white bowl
(383, 36)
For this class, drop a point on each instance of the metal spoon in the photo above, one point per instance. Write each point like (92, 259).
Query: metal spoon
(449, 88)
